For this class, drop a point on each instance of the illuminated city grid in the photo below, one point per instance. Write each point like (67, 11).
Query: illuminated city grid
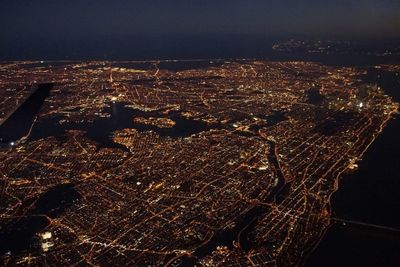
(248, 183)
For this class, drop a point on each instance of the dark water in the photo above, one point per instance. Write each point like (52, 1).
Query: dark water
(371, 195)
(19, 235)
(174, 46)
(276, 117)
(19, 123)
(356, 246)
(188, 65)
(121, 117)
(241, 233)
(48, 64)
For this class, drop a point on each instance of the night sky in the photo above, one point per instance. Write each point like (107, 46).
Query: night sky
(98, 28)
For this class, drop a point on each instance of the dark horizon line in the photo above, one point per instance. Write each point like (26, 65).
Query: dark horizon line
(160, 47)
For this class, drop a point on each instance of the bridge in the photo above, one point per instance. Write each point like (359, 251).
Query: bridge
(369, 225)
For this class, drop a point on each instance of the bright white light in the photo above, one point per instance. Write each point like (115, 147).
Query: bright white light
(361, 105)
(12, 144)
(46, 235)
